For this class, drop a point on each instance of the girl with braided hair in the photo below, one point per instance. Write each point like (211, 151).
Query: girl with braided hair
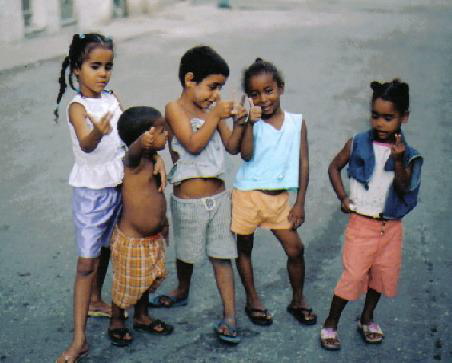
(96, 176)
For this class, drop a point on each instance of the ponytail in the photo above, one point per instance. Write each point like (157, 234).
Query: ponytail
(62, 81)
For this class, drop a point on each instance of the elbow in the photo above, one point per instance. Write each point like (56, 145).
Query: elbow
(87, 148)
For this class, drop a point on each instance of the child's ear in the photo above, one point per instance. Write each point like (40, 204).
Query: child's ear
(76, 72)
(281, 88)
(405, 117)
(188, 79)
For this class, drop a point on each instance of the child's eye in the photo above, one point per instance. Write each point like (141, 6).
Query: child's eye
(269, 90)
(388, 117)
(252, 94)
(374, 115)
(95, 66)
(109, 66)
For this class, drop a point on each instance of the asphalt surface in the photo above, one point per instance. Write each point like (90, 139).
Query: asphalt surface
(329, 51)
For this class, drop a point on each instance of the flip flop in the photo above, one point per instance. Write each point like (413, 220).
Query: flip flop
(262, 318)
(300, 315)
(103, 314)
(153, 327)
(329, 334)
(71, 358)
(231, 338)
(171, 301)
(117, 335)
(367, 330)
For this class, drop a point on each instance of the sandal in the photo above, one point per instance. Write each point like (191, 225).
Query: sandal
(229, 336)
(301, 315)
(371, 333)
(329, 339)
(117, 337)
(167, 301)
(259, 316)
(157, 327)
(68, 358)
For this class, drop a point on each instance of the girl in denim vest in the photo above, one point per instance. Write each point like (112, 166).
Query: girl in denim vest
(384, 182)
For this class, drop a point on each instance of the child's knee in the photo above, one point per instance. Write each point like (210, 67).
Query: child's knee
(86, 266)
(295, 253)
(245, 244)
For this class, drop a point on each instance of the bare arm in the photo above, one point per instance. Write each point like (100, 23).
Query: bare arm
(297, 213)
(231, 140)
(180, 125)
(334, 172)
(247, 144)
(88, 139)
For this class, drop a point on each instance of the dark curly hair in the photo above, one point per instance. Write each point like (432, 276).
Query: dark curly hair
(202, 61)
(134, 121)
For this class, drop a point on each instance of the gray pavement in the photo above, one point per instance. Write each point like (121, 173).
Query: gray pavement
(329, 51)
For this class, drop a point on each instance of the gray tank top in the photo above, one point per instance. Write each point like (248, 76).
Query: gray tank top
(209, 163)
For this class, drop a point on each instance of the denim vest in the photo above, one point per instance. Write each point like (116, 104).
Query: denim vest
(361, 166)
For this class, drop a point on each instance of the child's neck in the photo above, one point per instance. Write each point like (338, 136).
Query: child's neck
(276, 119)
(190, 108)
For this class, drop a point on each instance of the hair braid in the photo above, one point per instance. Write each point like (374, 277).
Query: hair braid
(62, 81)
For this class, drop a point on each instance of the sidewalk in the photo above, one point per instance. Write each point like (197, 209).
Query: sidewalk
(182, 18)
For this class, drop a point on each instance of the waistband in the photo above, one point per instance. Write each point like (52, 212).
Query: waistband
(195, 200)
(377, 218)
(153, 237)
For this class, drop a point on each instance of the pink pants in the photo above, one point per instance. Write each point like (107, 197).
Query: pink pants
(371, 257)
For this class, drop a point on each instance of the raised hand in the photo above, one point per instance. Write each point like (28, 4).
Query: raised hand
(147, 139)
(255, 112)
(240, 113)
(224, 109)
(102, 126)
(398, 148)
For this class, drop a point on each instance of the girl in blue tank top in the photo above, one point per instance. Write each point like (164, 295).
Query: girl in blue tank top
(274, 148)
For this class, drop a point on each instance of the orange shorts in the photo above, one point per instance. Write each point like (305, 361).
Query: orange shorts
(371, 257)
(253, 208)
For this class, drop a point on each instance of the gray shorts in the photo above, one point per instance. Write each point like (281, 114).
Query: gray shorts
(203, 226)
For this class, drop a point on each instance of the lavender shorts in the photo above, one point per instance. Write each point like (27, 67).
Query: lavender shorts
(94, 212)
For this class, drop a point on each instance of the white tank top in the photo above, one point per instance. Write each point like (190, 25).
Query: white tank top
(103, 166)
(209, 163)
(371, 202)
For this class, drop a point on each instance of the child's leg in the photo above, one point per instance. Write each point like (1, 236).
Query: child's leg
(370, 304)
(82, 292)
(245, 269)
(224, 278)
(337, 306)
(293, 247)
(144, 322)
(96, 302)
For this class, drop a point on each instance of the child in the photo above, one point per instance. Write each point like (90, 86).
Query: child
(138, 241)
(95, 177)
(384, 182)
(275, 150)
(200, 206)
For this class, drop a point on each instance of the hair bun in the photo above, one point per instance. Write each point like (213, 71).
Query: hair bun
(258, 60)
(376, 85)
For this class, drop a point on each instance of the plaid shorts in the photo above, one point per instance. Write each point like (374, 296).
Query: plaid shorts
(138, 265)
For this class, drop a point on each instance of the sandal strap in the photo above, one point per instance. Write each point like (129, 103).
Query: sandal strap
(328, 333)
(374, 328)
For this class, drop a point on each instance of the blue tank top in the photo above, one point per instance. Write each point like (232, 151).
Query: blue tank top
(276, 156)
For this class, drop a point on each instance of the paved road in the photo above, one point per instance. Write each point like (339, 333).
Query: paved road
(329, 52)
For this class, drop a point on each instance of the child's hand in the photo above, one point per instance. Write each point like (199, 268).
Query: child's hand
(159, 169)
(147, 139)
(296, 215)
(347, 205)
(398, 148)
(224, 109)
(102, 126)
(255, 112)
(239, 112)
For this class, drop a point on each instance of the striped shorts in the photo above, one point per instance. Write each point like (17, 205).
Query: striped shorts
(138, 265)
(203, 226)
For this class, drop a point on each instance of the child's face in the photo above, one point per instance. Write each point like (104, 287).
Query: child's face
(208, 91)
(160, 134)
(95, 72)
(265, 93)
(386, 120)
